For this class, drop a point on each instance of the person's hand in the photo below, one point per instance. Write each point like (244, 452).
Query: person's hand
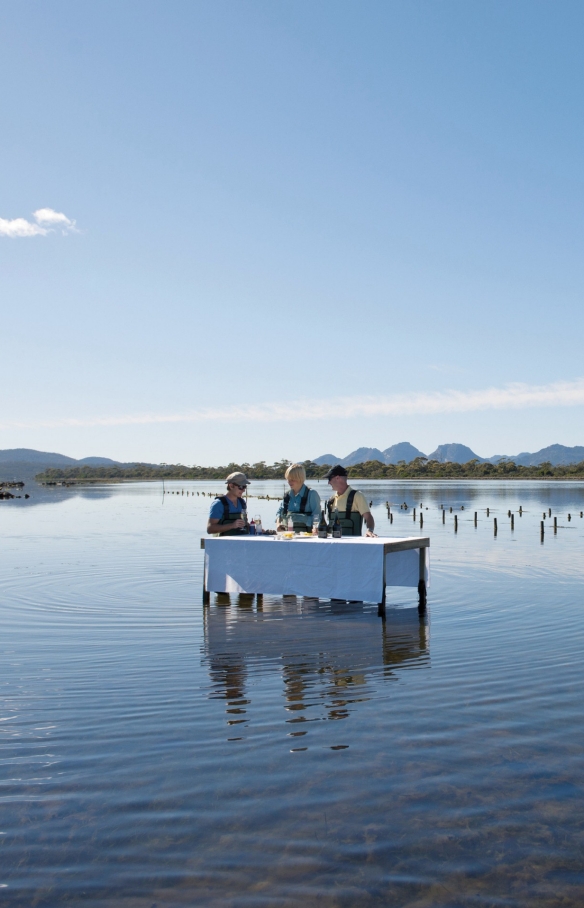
(371, 534)
(281, 528)
(238, 524)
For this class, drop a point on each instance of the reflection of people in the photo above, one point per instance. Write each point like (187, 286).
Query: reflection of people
(342, 650)
(227, 511)
(300, 503)
(350, 504)
(228, 676)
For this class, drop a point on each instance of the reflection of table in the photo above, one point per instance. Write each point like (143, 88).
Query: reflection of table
(356, 568)
(324, 654)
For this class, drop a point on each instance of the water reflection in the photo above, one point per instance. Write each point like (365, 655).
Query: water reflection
(44, 495)
(329, 656)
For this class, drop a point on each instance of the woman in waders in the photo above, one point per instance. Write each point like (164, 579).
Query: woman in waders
(300, 504)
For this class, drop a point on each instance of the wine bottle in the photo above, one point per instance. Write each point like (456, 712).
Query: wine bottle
(337, 531)
(322, 527)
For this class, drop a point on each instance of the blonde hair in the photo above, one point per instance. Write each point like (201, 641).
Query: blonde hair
(296, 471)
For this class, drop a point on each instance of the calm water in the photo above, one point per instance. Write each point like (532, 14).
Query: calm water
(156, 754)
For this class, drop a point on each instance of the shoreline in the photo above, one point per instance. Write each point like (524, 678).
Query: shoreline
(70, 483)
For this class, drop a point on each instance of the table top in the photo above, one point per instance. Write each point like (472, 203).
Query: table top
(389, 543)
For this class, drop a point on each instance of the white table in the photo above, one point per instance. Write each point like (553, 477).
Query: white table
(354, 568)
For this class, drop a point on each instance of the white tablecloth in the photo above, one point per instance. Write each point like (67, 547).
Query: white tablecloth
(403, 568)
(349, 568)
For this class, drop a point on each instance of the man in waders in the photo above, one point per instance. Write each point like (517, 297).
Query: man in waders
(228, 514)
(350, 505)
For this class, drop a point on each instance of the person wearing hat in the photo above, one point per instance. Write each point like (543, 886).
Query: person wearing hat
(227, 513)
(350, 504)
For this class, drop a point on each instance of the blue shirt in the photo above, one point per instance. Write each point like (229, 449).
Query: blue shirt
(312, 506)
(216, 511)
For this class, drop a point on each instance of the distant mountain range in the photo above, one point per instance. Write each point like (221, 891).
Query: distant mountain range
(456, 453)
(24, 463)
(29, 455)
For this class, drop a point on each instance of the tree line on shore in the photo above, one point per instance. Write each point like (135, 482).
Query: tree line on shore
(420, 468)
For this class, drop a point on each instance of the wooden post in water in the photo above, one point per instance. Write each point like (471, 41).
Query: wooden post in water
(414, 515)
(550, 512)
(443, 516)
(508, 513)
(512, 521)
(520, 511)
(487, 512)
(541, 529)
(421, 520)
(451, 510)
(495, 526)
(475, 518)
(455, 523)
(569, 516)
(555, 524)
(391, 518)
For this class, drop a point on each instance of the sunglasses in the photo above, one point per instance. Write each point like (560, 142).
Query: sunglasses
(241, 488)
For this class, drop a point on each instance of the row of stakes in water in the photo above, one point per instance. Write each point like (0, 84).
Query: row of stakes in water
(510, 514)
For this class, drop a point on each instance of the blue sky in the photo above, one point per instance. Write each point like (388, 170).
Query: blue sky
(291, 228)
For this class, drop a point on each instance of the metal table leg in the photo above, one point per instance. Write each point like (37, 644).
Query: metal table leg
(381, 605)
(422, 582)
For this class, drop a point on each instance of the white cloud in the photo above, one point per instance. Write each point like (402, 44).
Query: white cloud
(46, 220)
(20, 227)
(511, 397)
(48, 217)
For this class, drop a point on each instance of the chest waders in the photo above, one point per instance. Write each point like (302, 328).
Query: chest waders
(232, 516)
(299, 524)
(351, 521)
